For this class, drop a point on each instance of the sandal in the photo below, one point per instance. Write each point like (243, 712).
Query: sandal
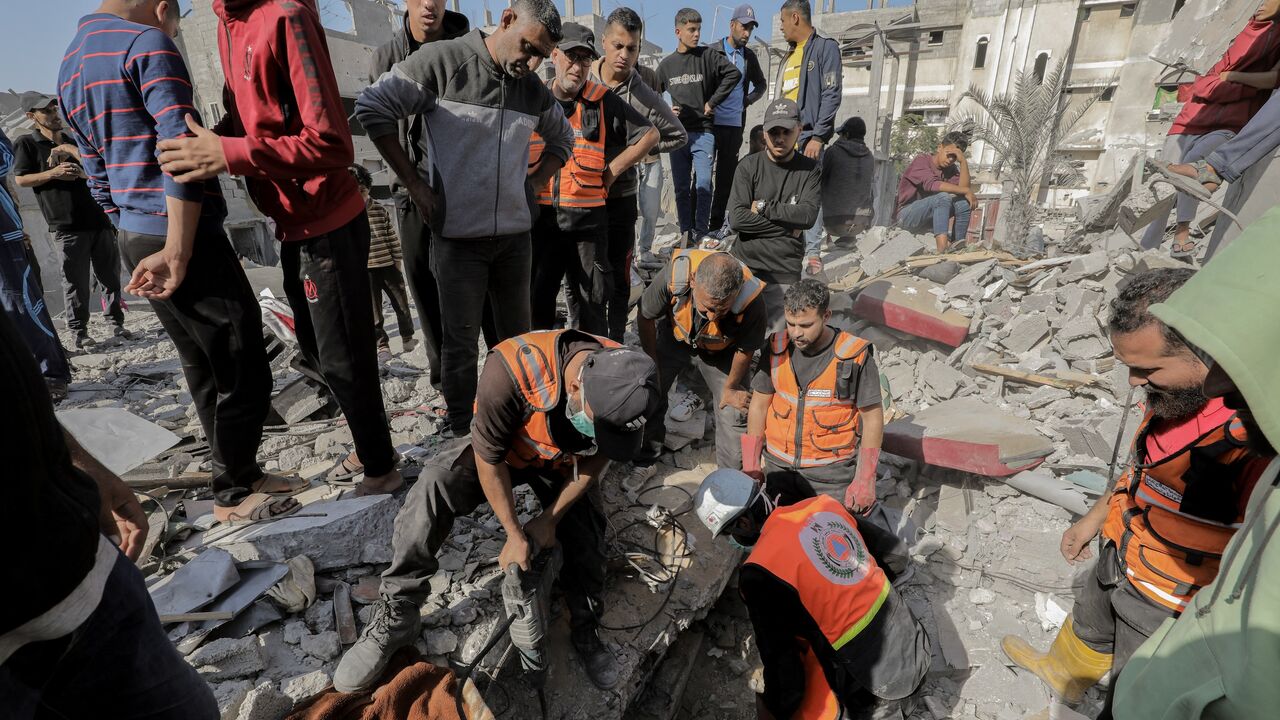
(344, 471)
(1184, 250)
(256, 508)
(1193, 186)
(280, 485)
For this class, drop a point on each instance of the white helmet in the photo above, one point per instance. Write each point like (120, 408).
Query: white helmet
(723, 496)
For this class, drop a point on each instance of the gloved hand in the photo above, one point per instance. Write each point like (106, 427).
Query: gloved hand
(861, 493)
(752, 447)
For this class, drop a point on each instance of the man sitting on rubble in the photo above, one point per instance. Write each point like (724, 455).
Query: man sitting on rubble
(836, 639)
(552, 409)
(815, 404)
(703, 309)
(934, 192)
(1170, 515)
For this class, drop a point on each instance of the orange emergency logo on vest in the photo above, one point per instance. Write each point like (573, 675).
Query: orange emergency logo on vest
(834, 549)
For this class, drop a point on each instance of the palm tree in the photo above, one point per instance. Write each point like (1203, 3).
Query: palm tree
(1023, 129)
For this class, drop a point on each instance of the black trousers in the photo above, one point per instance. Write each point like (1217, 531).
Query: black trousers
(388, 280)
(214, 320)
(415, 240)
(81, 251)
(449, 487)
(623, 213)
(326, 279)
(728, 144)
(1111, 616)
(579, 255)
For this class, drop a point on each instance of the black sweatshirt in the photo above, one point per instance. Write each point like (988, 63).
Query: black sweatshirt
(771, 241)
(694, 79)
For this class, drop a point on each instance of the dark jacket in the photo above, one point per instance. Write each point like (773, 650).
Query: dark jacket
(821, 87)
(756, 84)
(396, 50)
(695, 79)
(848, 176)
(771, 241)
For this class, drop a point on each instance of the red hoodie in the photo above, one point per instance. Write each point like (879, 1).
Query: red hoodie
(286, 130)
(1210, 103)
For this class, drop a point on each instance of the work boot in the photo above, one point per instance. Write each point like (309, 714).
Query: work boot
(122, 333)
(83, 340)
(395, 624)
(598, 660)
(1069, 668)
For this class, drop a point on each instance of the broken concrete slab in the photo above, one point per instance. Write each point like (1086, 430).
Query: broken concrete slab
(334, 534)
(228, 659)
(910, 304)
(116, 437)
(970, 435)
(898, 246)
(1025, 332)
(195, 584)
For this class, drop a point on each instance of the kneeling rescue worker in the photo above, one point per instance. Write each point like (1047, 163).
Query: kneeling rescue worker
(1165, 525)
(552, 409)
(836, 639)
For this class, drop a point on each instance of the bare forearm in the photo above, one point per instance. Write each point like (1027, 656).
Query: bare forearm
(872, 421)
(738, 370)
(759, 414)
(390, 150)
(495, 481)
(953, 188)
(964, 174)
(573, 491)
(184, 216)
(33, 179)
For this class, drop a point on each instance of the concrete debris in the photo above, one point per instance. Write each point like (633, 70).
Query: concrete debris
(912, 306)
(265, 702)
(970, 435)
(301, 687)
(334, 534)
(227, 659)
(324, 646)
(118, 438)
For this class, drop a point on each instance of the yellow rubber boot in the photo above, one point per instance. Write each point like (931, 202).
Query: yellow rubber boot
(1069, 668)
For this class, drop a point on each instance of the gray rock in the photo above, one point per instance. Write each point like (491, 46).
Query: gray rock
(230, 696)
(301, 687)
(265, 702)
(334, 534)
(320, 616)
(294, 630)
(227, 659)
(325, 646)
(396, 390)
(943, 272)
(1025, 332)
(441, 641)
(464, 612)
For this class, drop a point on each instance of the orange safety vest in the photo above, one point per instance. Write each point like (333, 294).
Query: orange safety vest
(814, 547)
(580, 183)
(533, 361)
(684, 265)
(813, 426)
(1166, 550)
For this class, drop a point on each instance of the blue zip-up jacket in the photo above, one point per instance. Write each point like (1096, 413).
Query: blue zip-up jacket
(821, 87)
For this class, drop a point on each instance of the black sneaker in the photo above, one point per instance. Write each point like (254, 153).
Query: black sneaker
(395, 624)
(83, 340)
(122, 333)
(600, 662)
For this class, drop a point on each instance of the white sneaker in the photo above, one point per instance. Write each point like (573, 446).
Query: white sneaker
(684, 410)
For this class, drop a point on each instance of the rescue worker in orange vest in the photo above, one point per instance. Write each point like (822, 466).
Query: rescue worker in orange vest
(570, 234)
(816, 404)
(1171, 513)
(552, 410)
(836, 639)
(704, 309)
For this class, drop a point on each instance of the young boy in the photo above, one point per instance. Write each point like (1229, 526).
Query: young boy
(384, 269)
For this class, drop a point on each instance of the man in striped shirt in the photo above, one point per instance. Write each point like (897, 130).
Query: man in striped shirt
(124, 86)
(384, 270)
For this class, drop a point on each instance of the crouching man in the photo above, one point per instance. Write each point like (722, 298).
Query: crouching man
(835, 638)
(552, 409)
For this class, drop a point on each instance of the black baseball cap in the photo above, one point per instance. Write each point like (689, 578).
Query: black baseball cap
(782, 112)
(32, 101)
(620, 385)
(574, 36)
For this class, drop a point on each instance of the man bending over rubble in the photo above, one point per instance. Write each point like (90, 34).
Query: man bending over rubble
(552, 409)
(815, 405)
(1170, 515)
(934, 192)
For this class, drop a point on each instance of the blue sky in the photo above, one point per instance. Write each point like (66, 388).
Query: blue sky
(39, 30)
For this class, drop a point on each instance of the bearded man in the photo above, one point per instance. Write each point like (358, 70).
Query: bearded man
(1166, 522)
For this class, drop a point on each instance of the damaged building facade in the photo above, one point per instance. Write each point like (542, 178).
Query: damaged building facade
(936, 50)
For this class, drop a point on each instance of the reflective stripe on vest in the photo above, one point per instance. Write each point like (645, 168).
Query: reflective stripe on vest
(814, 547)
(684, 265)
(580, 183)
(532, 361)
(1167, 552)
(814, 428)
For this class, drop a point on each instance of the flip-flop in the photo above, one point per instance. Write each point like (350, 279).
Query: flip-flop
(1191, 186)
(292, 485)
(1185, 250)
(258, 507)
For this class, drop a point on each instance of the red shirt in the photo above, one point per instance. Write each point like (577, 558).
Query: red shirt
(1211, 104)
(921, 179)
(286, 129)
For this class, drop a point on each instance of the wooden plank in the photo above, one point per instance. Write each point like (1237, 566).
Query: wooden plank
(195, 617)
(1027, 378)
(966, 258)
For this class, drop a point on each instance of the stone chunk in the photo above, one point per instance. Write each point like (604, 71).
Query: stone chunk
(265, 702)
(898, 246)
(969, 283)
(325, 646)
(1085, 266)
(334, 534)
(970, 435)
(230, 696)
(941, 273)
(227, 659)
(1025, 332)
(301, 687)
(910, 304)
(441, 641)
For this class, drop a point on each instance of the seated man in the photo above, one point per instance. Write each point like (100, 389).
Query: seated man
(934, 191)
(848, 182)
(835, 637)
(703, 309)
(819, 385)
(552, 409)
(1171, 513)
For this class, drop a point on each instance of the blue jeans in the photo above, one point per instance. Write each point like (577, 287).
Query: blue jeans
(1184, 149)
(935, 213)
(118, 664)
(1256, 140)
(650, 199)
(22, 297)
(695, 158)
